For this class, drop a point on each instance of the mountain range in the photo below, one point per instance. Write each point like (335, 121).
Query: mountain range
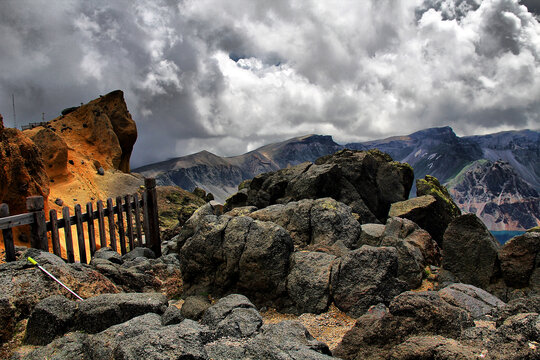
(496, 176)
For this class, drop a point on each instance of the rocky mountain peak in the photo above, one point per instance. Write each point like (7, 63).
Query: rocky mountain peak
(497, 194)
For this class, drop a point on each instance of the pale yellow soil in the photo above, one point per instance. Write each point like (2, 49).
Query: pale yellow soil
(328, 327)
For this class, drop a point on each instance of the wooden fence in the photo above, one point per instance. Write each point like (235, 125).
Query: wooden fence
(128, 209)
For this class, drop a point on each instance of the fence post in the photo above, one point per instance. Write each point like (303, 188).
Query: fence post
(155, 241)
(7, 234)
(35, 205)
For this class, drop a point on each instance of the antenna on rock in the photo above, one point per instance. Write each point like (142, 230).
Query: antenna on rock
(14, 116)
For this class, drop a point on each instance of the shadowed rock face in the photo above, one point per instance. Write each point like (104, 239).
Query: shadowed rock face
(22, 173)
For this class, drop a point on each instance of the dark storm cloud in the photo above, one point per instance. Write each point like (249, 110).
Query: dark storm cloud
(228, 76)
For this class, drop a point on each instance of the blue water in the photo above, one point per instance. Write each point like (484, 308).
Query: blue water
(504, 236)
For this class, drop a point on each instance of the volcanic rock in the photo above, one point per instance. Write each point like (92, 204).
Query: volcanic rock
(365, 277)
(476, 301)
(470, 251)
(367, 181)
(315, 223)
(22, 285)
(416, 249)
(376, 333)
(520, 261)
(308, 283)
(224, 254)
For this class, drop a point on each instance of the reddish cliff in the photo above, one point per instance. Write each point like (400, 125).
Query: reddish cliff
(22, 171)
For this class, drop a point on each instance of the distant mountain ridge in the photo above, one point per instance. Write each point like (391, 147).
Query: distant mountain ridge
(221, 175)
(435, 151)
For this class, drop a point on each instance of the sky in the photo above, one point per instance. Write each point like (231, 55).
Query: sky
(230, 76)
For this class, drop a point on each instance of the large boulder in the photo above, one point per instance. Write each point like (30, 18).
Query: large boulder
(470, 251)
(433, 208)
(101, 312)
(224, 254)
(520, 261)
(308, 283)
(367, 181)
(376, 334)
(365, 277)
(415, 247)
(51, 318)
(315, 223)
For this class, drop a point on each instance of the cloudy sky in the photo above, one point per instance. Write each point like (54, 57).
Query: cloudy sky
(231, 75)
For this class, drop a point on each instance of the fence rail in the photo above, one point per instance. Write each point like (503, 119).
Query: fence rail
(128, 225)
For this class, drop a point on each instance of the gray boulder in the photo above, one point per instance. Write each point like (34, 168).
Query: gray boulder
(140, 251)
(109, 255)
(365, 277)
(239, 323)
(416, 249)
(308, 283)
(52, 317)
(476, 301)
(236, 255)
(223, 307)
(100, 312)
(470, 251)
(316, 223)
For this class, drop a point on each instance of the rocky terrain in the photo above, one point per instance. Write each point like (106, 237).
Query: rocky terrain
(291, 241)
(438, 152)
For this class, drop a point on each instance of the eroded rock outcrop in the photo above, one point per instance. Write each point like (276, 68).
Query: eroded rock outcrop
(22, 170)
(367, 181)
